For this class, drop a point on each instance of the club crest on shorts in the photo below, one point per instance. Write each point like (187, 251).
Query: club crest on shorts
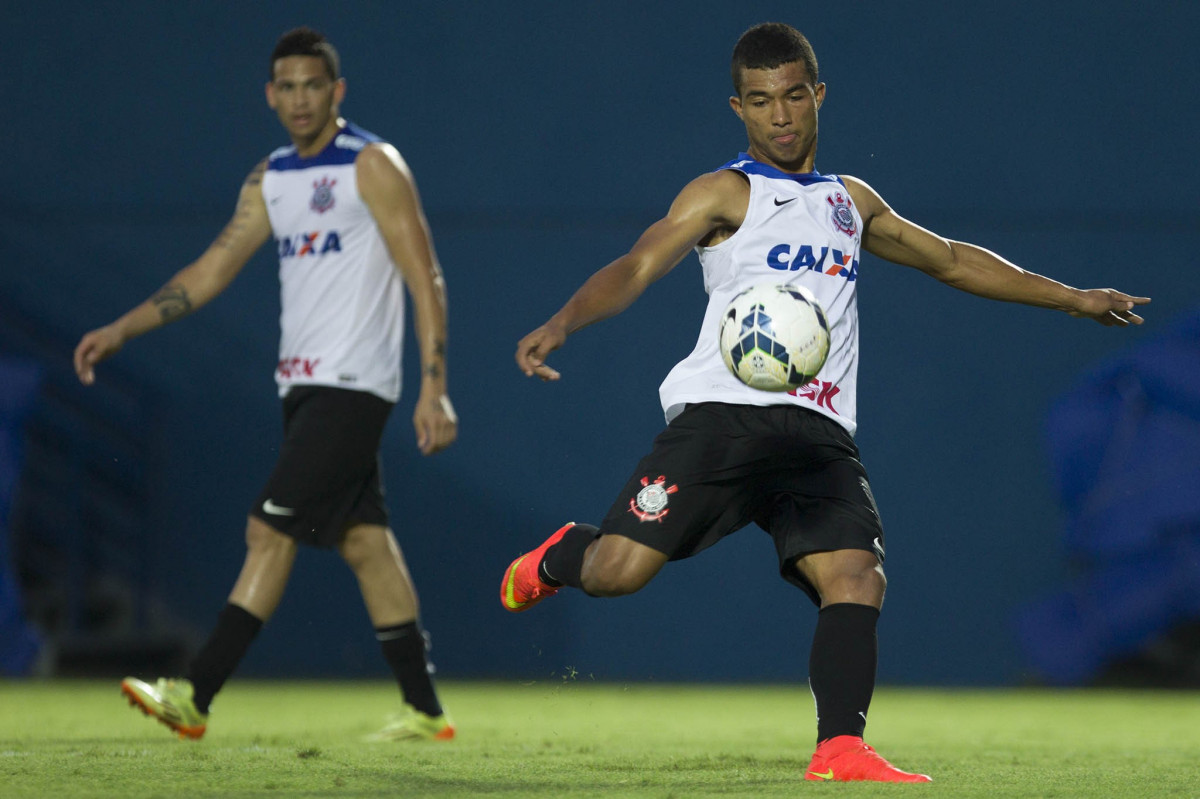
(650, 504)
(322, 199)
(843, 217)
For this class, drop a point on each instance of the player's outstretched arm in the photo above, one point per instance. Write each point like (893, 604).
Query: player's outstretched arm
(390, 193)
(978, 271)
(191, 287)
(709, 203)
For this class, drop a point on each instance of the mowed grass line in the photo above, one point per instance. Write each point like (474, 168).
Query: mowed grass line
(580, 739)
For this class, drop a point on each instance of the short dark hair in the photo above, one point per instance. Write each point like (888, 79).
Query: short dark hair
(770, 45)
(306, 41)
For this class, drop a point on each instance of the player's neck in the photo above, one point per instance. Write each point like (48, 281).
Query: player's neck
(799, 167)
(307, 148)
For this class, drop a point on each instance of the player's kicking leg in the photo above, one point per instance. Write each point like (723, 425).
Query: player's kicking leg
(523, 586)
(625, 553)
(579, 556)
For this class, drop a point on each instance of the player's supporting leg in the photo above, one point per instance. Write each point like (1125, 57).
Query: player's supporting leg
(842, 665)
(182, 704)
(375, 558)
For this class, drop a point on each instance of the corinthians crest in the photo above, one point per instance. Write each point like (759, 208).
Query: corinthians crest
(322, 199)
(650, 504)
(843, 217)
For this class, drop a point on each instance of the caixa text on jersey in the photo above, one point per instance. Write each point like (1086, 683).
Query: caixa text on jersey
(314, 243)
(830, 261)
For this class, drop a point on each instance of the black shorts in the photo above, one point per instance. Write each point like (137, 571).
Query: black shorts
(718, 467)
(327, 477)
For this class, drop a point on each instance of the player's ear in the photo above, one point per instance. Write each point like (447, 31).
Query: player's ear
(339, 91)
(735, 103)
(270, 94)
(820, 93)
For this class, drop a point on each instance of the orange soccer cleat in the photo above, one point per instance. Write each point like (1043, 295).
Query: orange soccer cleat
(522, 588)
(846, 758)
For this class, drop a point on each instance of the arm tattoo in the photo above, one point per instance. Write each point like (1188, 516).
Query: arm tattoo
(234, 227)
(256, 174)
(173, 302)
(434, 369)
(238, 223)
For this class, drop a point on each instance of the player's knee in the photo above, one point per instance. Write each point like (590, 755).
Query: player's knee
(860, 586)
(872, 583)
(261, 539)
(362, 547)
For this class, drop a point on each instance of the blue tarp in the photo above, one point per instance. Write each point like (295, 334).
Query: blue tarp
(1125, 449)
(19, 385)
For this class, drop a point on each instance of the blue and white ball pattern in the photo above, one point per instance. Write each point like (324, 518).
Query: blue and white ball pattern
(774, 337)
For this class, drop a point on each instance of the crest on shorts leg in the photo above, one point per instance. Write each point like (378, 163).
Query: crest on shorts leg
(650, 504)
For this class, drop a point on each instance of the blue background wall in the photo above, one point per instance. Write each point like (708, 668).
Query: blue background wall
(544, 137)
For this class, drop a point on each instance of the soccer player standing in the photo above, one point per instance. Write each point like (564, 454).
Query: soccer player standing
(731, 455)
(351, 233)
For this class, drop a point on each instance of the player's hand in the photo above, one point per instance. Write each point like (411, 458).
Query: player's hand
(93, 348)
(533, 349)
(1109, 307)
(435, 421)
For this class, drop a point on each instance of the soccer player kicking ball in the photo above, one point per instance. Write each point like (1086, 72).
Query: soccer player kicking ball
(351, 234)
(731, 455)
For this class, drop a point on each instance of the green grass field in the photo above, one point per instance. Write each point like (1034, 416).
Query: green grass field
(582, 739)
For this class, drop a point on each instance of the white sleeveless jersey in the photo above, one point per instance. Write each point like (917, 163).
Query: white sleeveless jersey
(801, 230)
(342, 298)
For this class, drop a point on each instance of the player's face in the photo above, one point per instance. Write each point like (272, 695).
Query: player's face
(779, 107)
(305, 97)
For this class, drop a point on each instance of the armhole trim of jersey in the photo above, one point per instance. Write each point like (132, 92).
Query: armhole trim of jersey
(746, 221)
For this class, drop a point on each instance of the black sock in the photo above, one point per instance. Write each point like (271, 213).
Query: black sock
(563, 562)
(841, 669)
(220, 655)
(405, 649)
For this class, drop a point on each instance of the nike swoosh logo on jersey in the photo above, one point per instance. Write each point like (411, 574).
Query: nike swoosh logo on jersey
(275, 200)
(784, 202)
(277, 510)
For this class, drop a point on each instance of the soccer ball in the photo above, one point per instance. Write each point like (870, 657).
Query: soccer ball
(774, 338)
